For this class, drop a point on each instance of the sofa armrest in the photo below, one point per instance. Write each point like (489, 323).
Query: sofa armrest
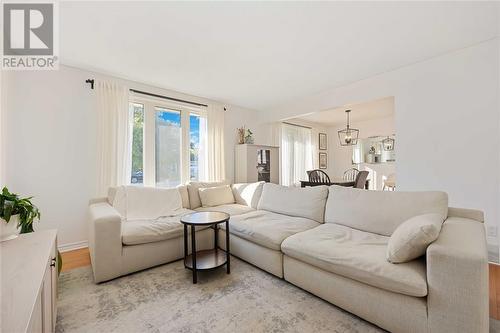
(457, 277)
(105, 241)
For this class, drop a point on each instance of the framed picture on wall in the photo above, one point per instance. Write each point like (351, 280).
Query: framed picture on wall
(322, 141)
(323, 161)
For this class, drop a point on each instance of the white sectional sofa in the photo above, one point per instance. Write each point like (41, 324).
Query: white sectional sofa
(331, 242)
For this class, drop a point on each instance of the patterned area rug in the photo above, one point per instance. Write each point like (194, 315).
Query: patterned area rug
(163, 299)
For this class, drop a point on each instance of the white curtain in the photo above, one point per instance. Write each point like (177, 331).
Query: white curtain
(296, 154)
(315, 148)
(114, 136)
(216, 170)
(202, 152)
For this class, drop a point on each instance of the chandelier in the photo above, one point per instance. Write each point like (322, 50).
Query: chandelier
(348, 136)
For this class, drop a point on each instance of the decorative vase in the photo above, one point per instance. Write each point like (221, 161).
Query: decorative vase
(241, 135)
(9, 230)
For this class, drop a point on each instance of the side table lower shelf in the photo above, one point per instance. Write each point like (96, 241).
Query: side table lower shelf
(207, 259)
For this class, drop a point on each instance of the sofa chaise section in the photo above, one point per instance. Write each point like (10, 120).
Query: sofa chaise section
(358, 255)
(342, 262)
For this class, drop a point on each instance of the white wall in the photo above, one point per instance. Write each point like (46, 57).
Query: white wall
(447, 123)
(48, 142)
(237, 117)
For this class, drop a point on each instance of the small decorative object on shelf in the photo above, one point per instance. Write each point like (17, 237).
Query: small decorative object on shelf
(15, 213)
(241, 135)
(322, 141)
(249, 137)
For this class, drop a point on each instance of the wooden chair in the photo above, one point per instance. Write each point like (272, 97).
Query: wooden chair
(350, 174)
(361, 178)
(318, 176)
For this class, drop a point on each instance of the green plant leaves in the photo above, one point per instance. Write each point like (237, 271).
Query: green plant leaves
(11, 204)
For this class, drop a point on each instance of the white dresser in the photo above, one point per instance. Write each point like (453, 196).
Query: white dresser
(255, 163)
(29, 283)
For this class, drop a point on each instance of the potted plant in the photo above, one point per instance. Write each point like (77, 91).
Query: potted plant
(249, 137)
(16, 215)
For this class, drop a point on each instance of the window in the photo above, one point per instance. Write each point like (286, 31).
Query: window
(168, 144)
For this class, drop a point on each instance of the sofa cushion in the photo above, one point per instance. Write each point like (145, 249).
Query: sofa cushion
(266, 228)
(117, 197)
(248, 193)
(152, 202)
(194, 196)
(380, 212)
(357, 255)
(411, 238)
(184, 195)
(152, 230)
(231, 209)
(215, 196)
(306, 202)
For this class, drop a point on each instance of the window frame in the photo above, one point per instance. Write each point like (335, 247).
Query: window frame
(149, 136)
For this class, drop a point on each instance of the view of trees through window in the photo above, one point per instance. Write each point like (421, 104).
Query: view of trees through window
(194, 146)
(137, 143)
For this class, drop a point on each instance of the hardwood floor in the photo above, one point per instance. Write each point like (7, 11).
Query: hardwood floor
(75, 259)
(81, 258)
(495, 291)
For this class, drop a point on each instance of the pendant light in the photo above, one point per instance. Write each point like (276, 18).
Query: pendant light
(388, 143)
(348, 136)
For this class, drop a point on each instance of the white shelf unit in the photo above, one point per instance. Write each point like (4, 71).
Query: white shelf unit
(254, 163)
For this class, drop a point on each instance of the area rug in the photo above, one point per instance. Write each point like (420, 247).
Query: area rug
(163, 299)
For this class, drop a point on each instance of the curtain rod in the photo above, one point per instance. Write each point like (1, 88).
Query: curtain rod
(284, 122)
(91, 81)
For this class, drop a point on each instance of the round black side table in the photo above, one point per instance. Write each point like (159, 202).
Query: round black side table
(205, 259)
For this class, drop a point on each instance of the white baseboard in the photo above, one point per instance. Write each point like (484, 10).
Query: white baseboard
(72, 246)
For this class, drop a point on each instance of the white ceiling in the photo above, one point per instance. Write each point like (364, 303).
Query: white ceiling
(263, 54)
(380, 108)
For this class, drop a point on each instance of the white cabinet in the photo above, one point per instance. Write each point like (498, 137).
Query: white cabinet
(255, 163)
(29, 283)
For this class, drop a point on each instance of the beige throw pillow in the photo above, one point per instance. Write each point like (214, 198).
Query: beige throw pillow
(194, 196)
(410, 240)
(215, 196)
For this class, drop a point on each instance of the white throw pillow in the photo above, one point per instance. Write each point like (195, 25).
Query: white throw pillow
(215, 196)
(194, 196)
(248, 193)
(411, 239)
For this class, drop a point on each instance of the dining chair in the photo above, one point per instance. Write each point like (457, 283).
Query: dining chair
(390, 182)
(350, 174)
(361, 178)
(318, 176)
